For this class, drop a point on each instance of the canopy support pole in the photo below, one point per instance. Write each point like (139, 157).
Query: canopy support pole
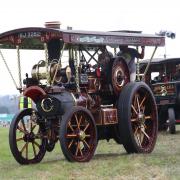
(147, 67)
(19, 67)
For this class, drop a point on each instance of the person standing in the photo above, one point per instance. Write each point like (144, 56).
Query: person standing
(104, 58)
(129, 55)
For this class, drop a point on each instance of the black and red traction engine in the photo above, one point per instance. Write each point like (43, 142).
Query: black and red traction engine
(79, 106)
(77, 100)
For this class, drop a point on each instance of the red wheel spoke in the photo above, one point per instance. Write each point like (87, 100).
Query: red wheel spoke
(79, 122)
(70, 144)
(88, 135)
(69, 124)
(134, 109)
(77, 148)
(76, 119)
(143, 101)
(86, 144)
(136, 130)
(86, 127)
(137, 99)
(133, 119)
(71, 135)
(34, 149)
(147, 117)
(145, 134)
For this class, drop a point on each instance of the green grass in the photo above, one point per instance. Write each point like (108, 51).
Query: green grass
(110, 162)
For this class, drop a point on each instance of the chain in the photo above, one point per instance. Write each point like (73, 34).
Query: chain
(76, 71)
(9, 71)
(138, 69)
(46, 62)
(19, 67)
(115, 51)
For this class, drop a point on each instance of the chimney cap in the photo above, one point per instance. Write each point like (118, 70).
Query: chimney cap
(53, 24)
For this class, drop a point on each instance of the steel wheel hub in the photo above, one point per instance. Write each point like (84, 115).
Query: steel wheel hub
(29, 137)
(141, 117)
(82, 135)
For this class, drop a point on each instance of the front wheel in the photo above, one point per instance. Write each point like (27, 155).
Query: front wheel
(78, 135)
(26, 139)
(137, 115)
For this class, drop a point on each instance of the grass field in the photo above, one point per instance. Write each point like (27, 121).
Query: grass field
(110, 162)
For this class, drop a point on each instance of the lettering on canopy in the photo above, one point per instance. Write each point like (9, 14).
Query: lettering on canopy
(25, 35)
(129, 40)
(17, 38)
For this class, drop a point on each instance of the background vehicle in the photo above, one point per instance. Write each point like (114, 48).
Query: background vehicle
(79, 104)
(163, 77)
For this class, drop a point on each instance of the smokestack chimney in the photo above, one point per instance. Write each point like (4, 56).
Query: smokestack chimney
(53, 24)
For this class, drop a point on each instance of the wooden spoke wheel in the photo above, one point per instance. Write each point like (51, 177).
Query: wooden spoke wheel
(26, 139)
(78, 135)
(138, 122)
(120, 74)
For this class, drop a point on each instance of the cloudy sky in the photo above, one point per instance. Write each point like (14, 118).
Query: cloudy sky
(104, 15)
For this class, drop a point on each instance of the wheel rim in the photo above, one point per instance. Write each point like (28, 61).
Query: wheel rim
(120, 75)
(143, 120)
(29, 143)
(80, 136)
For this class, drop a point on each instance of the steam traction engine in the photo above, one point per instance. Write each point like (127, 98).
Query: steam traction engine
(79, 103)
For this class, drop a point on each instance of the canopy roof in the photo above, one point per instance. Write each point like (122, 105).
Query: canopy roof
(158, 64)
(156, 61)
(34, 37)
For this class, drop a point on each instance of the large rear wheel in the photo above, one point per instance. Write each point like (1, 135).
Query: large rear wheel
(26, 139)
(137, 114)
(78, 135)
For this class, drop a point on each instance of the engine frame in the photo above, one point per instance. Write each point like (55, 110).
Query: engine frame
(81, 103)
